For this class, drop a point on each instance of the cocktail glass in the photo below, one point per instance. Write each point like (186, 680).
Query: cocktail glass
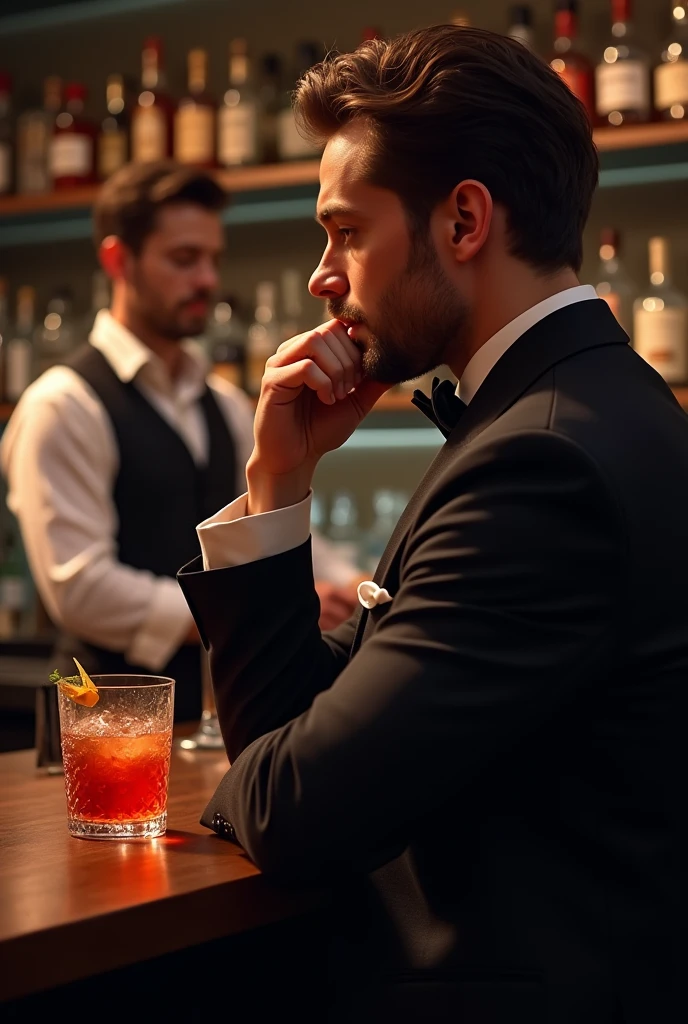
(116, 757)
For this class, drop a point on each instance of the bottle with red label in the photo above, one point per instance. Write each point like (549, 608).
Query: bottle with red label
(6, 133)
(622, 78)
(572, 65)
(152, 117)
(72, 147)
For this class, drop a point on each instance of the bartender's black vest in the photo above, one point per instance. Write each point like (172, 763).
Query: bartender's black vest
(161, 495)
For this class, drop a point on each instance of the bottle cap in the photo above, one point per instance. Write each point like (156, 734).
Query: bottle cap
(609, 236)
(272, 65)
(658, 249)
(75, 91)
(238, 47)
(154, 44)
(621, 10)
(521, 15)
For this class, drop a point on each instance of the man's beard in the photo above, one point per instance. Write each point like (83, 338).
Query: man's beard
(168, 324)
(418, 319)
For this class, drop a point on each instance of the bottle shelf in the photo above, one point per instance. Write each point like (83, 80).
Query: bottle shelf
(640, 136)
(635, 155)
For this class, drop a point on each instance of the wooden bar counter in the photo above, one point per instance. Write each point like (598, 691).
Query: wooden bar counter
(72, 909)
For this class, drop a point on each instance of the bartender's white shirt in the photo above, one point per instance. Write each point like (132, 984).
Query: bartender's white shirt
(60, 457)
(231, 538)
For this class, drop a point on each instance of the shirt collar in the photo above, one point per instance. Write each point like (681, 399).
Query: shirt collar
(494, 348)
(130, 358)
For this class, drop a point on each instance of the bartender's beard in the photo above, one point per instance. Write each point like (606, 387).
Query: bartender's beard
(419, 319)
(171, 323)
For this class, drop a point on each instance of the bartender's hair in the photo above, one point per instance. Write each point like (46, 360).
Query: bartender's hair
(128, 203)
(445, 104)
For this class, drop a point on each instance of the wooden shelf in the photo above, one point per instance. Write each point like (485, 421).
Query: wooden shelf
(283, 178)
(243, 179)
(640, 136)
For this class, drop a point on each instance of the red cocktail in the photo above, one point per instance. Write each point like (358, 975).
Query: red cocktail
(116, 758)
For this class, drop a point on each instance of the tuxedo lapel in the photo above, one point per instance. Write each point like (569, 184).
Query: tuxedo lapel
(559, 336)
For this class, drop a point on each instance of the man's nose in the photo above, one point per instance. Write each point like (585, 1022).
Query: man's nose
(207, 277)
(328, 283)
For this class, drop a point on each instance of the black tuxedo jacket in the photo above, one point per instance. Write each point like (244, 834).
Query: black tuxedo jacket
(489, 770)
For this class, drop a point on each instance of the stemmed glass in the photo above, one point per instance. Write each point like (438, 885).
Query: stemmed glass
(207, 736)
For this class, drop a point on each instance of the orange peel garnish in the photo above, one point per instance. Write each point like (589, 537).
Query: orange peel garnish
(85, 692)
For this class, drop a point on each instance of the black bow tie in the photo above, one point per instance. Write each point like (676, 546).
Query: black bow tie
(444, 407)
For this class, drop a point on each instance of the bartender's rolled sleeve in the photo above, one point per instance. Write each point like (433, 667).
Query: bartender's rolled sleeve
(164, 628)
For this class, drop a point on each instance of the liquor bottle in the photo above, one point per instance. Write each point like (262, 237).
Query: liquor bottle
(269, 94)
(237, 119)
(291, 144)
(660, 319)
(291, 320)
(622, 78)
(19, 362)
(572, 65)
(671, 75)
(613, 284)
(34, 136)
(194, 123)
(343, 529)
(56, 336)
(15, 588)
(72, 148)
(226, 341)
(263, 336)
(521, 25)
(113, 141)
(6, 135)
(387, 508)
(152, 117)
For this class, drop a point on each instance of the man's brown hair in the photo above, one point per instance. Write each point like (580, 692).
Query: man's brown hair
(446, 104)
(128, 203)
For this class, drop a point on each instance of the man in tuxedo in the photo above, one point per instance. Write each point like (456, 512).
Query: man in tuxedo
(486, 764)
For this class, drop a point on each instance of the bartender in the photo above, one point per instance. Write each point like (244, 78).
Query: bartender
(114, 458)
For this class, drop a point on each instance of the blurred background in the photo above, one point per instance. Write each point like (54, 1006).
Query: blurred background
(87, 85)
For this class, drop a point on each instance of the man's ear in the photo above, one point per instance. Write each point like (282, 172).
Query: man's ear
(114, 257)
(467, 215)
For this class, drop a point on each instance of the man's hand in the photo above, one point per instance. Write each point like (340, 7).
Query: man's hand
(337, 603)
(312, 398)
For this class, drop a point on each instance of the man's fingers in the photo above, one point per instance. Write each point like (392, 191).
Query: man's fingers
(348, 360)
(292, 377)
(328, 349)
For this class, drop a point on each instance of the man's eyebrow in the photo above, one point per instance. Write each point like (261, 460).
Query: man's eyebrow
(335, 210)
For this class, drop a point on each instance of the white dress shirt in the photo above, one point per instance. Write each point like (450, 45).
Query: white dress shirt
(230, 537)
(60, 457)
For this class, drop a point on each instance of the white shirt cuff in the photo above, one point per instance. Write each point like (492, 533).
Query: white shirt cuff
(164, 628)
(231, 537)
